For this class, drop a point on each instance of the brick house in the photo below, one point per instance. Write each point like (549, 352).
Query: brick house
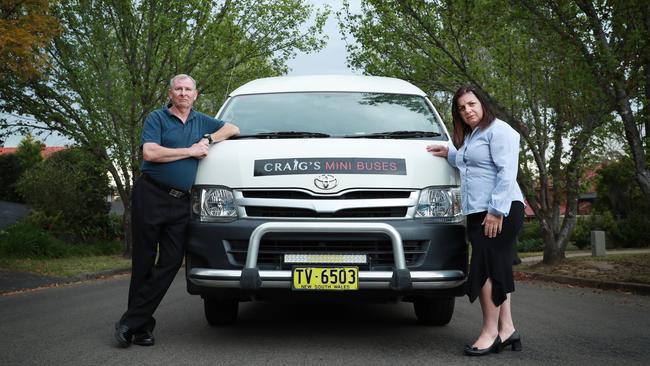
(585, 199)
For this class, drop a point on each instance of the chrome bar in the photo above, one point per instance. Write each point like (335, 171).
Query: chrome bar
(325, 227)
(230, 278)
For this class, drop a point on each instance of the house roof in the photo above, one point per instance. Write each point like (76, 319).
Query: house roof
(49, 150)
(45, 152)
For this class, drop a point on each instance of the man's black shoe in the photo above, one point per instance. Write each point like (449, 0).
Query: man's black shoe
(144, 338)
(122, 335)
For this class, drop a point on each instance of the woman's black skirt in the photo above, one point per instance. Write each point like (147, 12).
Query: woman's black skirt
(492, 257)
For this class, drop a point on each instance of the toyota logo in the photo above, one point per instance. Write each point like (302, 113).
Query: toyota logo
(325, 181)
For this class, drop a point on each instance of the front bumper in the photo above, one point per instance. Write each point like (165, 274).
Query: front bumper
(211, 273)
(368, 280)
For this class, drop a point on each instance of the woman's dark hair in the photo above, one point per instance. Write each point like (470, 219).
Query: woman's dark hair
(460, 127)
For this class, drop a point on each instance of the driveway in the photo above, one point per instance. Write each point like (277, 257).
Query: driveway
(11, 212)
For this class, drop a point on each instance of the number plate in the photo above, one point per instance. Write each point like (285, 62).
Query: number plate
(326, 278)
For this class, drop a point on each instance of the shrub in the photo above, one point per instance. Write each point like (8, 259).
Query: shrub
(581, 236)
(530, 245)
(68, 192)
(530, 237)
(633, 232)
(530, 230)
(622, 208)
(26, 239)
(10, 171)
(114, 230)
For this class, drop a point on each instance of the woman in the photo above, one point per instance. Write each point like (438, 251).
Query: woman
(486, 152)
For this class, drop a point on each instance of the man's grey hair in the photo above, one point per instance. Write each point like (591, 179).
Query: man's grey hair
(181, 76)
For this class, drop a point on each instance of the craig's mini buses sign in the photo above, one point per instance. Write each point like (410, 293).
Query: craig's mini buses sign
(330, 165)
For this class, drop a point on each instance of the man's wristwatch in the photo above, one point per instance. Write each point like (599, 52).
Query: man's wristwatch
(209, 137)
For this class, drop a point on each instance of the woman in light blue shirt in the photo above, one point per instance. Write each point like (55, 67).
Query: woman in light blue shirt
(486, 150)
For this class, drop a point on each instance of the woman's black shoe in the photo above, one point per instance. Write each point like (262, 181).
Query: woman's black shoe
(514, 341)
(494, 348)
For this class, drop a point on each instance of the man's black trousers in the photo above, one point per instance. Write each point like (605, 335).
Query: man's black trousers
(159, 222)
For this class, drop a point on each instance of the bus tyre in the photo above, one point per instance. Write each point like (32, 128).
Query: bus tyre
(220, 311)
(434, 311)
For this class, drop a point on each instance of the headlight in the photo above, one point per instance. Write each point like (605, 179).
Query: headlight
(441, 204)
(213, 204)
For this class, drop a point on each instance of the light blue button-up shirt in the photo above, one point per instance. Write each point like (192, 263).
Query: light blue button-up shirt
(488, 162)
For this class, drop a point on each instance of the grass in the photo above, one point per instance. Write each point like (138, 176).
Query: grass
(26, 247)
(611, 268)
(66, 267)
(529, 254)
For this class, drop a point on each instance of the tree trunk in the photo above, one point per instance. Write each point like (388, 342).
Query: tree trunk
(553, 249)
(633, 137)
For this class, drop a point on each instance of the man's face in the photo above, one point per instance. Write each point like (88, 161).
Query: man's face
(183, 93)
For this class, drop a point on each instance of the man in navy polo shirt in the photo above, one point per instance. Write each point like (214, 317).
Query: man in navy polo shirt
(173, 141)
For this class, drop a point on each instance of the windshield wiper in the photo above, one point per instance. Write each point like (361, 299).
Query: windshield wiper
(396, 134)
(282, 135)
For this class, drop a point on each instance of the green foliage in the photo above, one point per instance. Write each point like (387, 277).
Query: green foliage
(29, 152)
(10, 171)
(581, 236)
(631, 232)
(622, 207)
(617, 190)
(26, 239)
(530, 230)
(613, 36)
(530, 245)
(114, 229)
(530, 239)
(12, 167)
(68, 194)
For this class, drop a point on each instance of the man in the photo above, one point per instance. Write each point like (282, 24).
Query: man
(174, 139)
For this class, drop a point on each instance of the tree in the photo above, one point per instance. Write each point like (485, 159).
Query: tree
(12, 167)
(534, 83)
(613, 37)
(620, 199)
(112, 63)
(29, 152)
(26, 26)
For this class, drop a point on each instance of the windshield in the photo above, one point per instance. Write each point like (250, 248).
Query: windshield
(340, 114)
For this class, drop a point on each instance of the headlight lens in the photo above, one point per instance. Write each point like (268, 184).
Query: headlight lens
(213, 204)
(442, 204)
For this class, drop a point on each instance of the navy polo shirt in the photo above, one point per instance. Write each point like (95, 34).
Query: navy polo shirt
(167, 130)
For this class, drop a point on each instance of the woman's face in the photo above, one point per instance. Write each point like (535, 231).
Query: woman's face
(470, 109)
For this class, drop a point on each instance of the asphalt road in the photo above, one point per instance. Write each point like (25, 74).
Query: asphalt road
(73, 325)
(10, 212)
